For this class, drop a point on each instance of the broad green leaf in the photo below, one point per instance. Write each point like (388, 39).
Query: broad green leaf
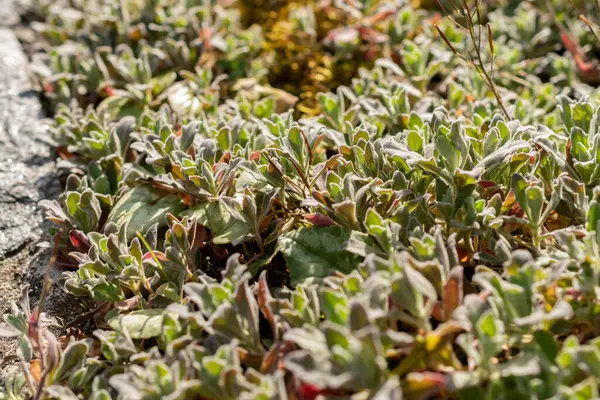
(73, 357)
(224, 225)
(24, 349)
(547, 344)
(318, 252)
(415, 141)
(582, 115)
(519, 186)
(448, 152)
(535, 203)
(142, 324)
(107, 291)
(142, 207)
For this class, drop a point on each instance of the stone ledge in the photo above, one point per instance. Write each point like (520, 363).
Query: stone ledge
(27, 175)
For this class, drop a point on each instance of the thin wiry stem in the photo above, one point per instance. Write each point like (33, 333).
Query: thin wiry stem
(475, 36)
(591, 25)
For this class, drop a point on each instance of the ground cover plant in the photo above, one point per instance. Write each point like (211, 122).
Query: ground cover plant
(354, 199)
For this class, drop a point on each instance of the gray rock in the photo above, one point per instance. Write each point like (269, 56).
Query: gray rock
(9, 14)
(27, 172)
(27, 175)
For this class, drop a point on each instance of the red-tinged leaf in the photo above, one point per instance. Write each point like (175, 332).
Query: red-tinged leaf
(574, 292)
(453, 292)
(266, 222)
(394, 204)
(485, 294)
(370, 35)
(318, 196)
(309, 391)
(568, 151)
(255, 156)
(370, 54)
(33, 329)
(226, 158)
(532, 158)
(437, 312)
(490, 252)
(48, 87)
(273, 359)
(135, 34)
(436, 19)
(569, 44)
(319, 219)
(516, 210)
(382, 16)
(161, 256)
(79, 240)
(424, 385)
(264, 297)
(250, 359)
(128, 304)
(345, 150)
(64, 153)
(187, 199)
(587, 70)
(490, 188)
(318, 140)
(487, 184)
(55, 220)
(464, 255)
(205, 35)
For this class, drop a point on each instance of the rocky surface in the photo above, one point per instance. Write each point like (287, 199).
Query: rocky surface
(9, 15)
(27, 175)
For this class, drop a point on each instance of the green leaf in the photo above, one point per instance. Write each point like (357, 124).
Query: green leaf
(448, 152)
(318, 252)
(24, 349)
(582, 115)
(72, 358)
(142, 207)
(585, 390)
(100, 395)
(335, 306)
(224, 225)
(519, 186)
(114, 107)
(142, 324)
(535, 203)
(547, 344)
(593, 216)
(415, 141)
(107, 291)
